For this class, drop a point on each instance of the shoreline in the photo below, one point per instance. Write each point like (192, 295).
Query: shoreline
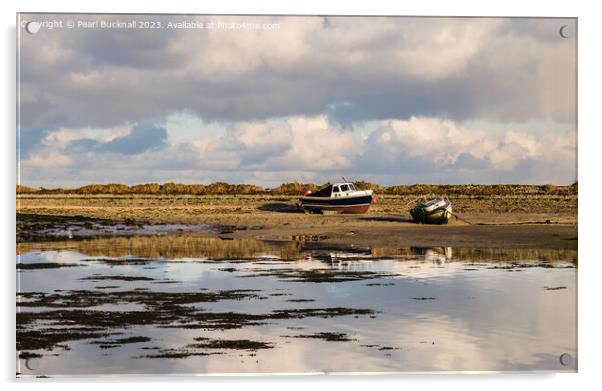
(495, 221)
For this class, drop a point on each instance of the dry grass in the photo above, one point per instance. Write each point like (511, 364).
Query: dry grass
(296, 188)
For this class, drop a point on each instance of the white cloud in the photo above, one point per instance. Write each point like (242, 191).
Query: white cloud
(317, 144)
(441, 140)
(443, 143)
(441, 48)
(270, 106)
(385, 68)
(47, 160)
(295, 143)
(61, 138)
(421, 149)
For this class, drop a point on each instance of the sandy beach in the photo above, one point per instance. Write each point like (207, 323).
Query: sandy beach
(538, 221)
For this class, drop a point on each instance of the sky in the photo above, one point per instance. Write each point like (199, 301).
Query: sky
(273, 99)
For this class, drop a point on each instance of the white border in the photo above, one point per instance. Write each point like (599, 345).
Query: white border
(589, 159)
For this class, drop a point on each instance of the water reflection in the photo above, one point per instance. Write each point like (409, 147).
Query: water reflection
(189, 246)
(435, 255)
(186, 304)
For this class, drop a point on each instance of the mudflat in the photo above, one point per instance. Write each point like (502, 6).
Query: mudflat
(524, 221)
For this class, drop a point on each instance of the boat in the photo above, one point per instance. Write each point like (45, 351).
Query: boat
(340, 197)
(435, 211)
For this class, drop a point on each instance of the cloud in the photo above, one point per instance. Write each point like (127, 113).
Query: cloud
(47, 159)
(75, 149)
(443, 151)
(295, 143)
(141, 138)
(418, 150)
(49, 150)
(305, 143)
(383, 68)
(389, 99)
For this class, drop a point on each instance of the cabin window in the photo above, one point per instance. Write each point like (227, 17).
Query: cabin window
(335, 189)
(351, 187)
(344, 188)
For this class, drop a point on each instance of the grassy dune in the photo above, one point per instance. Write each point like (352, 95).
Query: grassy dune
(296, 188)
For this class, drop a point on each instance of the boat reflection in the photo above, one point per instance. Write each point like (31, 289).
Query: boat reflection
(438, 255)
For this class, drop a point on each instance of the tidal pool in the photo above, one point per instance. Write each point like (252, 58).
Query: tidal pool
(198, 305)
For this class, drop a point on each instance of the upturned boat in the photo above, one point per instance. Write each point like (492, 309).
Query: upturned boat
(337, 198)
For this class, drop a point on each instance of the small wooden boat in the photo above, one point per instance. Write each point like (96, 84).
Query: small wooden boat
(337, 198)
(435, 211)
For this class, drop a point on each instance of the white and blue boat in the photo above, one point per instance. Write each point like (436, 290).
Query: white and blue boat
(339, 198)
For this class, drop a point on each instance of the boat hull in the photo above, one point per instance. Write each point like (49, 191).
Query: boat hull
(344, 205)
(438, 216)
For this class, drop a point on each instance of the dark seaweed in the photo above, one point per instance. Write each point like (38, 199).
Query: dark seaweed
(32, 227)
(162, 309)
(151, 299)
(120, 341)
(116, 278)
(326, 336)
(317, 275)
(28, 355)
(48, 338)
(544, 265)
(121, 261)
(44, 265)
(175, 354)
(237, 344)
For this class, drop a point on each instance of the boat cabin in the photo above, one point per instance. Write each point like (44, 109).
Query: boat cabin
(335, 190)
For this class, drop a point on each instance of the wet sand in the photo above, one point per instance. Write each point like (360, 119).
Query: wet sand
(537, 221)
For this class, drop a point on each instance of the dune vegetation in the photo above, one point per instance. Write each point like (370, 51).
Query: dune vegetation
(297, 188)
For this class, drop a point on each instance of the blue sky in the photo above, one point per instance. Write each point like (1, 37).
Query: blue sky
(391, 100)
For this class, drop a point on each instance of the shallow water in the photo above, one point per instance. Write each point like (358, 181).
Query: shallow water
(185, 305)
